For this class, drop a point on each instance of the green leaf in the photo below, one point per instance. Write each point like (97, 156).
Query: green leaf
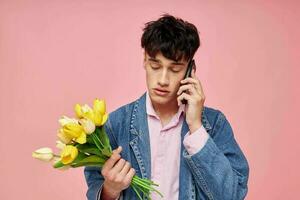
(93, 159)
(106, 152)
(87, 160)
(89, 139)
(103, 137)
(79, 157)
(94, 164)
(97, 140)
(58, 164)
(88, 148)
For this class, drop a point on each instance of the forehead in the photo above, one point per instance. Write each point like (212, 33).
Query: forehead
(161, 58)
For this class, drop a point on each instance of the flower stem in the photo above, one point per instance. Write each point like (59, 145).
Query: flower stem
(137, 192)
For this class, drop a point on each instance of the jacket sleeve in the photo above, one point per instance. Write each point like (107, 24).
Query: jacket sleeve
(94, 181)
(220, 168)
(93, 176)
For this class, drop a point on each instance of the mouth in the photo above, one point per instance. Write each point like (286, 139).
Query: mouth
(160, 92)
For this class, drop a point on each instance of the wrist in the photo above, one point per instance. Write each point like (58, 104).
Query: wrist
(108, 193)
(194, 127)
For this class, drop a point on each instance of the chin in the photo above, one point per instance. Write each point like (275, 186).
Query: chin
(160, 100)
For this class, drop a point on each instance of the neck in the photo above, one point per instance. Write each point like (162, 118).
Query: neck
(166, 111)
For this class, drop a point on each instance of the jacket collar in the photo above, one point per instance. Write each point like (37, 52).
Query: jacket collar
(140, 140)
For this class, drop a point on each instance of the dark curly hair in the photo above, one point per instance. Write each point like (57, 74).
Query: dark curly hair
(173, 37)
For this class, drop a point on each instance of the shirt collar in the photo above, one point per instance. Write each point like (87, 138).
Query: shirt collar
(150, 110)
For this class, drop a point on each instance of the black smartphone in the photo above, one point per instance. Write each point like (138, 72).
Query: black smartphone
(188, 73)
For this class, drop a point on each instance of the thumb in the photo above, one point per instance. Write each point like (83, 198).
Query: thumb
(119, 149)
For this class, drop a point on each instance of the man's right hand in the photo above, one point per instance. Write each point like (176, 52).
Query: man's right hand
(117, 174)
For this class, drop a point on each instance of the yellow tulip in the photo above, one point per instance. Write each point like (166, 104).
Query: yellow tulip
(73, 130)
(86, 108)
(81, 139)
(104, 119)
(78, 111)
(97, 118)
(43, 154)
(87, 112)
(88, 125)
(76, 131)
(100, 119)
(66, 120)
(68, 154)
(60, 145)
(99, 112)
(63, 137)
(97, 115)
(99, 106)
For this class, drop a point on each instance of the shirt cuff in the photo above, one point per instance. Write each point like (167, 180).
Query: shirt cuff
(98, 197)
(195, 142)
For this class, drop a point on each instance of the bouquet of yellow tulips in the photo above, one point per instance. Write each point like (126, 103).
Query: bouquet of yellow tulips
(84, 142)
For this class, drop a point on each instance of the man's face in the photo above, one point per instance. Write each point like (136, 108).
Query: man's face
(163, 78)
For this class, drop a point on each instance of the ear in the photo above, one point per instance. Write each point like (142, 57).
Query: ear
(194, 67)
(144, 56)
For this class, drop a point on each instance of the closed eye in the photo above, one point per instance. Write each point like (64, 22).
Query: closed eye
(175, 69)
(154, 65)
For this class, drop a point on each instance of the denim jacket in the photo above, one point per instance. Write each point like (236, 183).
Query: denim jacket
(219, 171)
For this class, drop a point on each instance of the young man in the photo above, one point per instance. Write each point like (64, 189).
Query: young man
(188, 149)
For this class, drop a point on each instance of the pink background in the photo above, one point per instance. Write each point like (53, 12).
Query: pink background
(54, 54)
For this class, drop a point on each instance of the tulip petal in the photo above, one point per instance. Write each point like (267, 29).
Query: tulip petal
(78, 110)
(73, 130)
(81, 139)
(44, 150)
(60, 145)
(104, 119)
(43, 154)
(89, 115)
(63, 137)
(99, 106)
(86, 108)
(66, 120)
(68, 154)
(88, 125)
(98, 118)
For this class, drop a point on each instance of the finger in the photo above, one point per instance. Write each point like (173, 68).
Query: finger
(129, 176)
(117, 150)
(195, 81)
(118, 166)
(184, 96)
(189, 80)
(190, 87)
(112, 160)
(125, 169)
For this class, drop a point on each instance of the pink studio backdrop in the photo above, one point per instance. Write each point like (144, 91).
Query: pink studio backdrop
(54, 54)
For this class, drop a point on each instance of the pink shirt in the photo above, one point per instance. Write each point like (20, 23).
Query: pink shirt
(165, 149)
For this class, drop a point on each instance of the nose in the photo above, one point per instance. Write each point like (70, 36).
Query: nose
(164, 78)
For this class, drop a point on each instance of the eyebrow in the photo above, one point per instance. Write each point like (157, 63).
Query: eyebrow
(173, 63)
